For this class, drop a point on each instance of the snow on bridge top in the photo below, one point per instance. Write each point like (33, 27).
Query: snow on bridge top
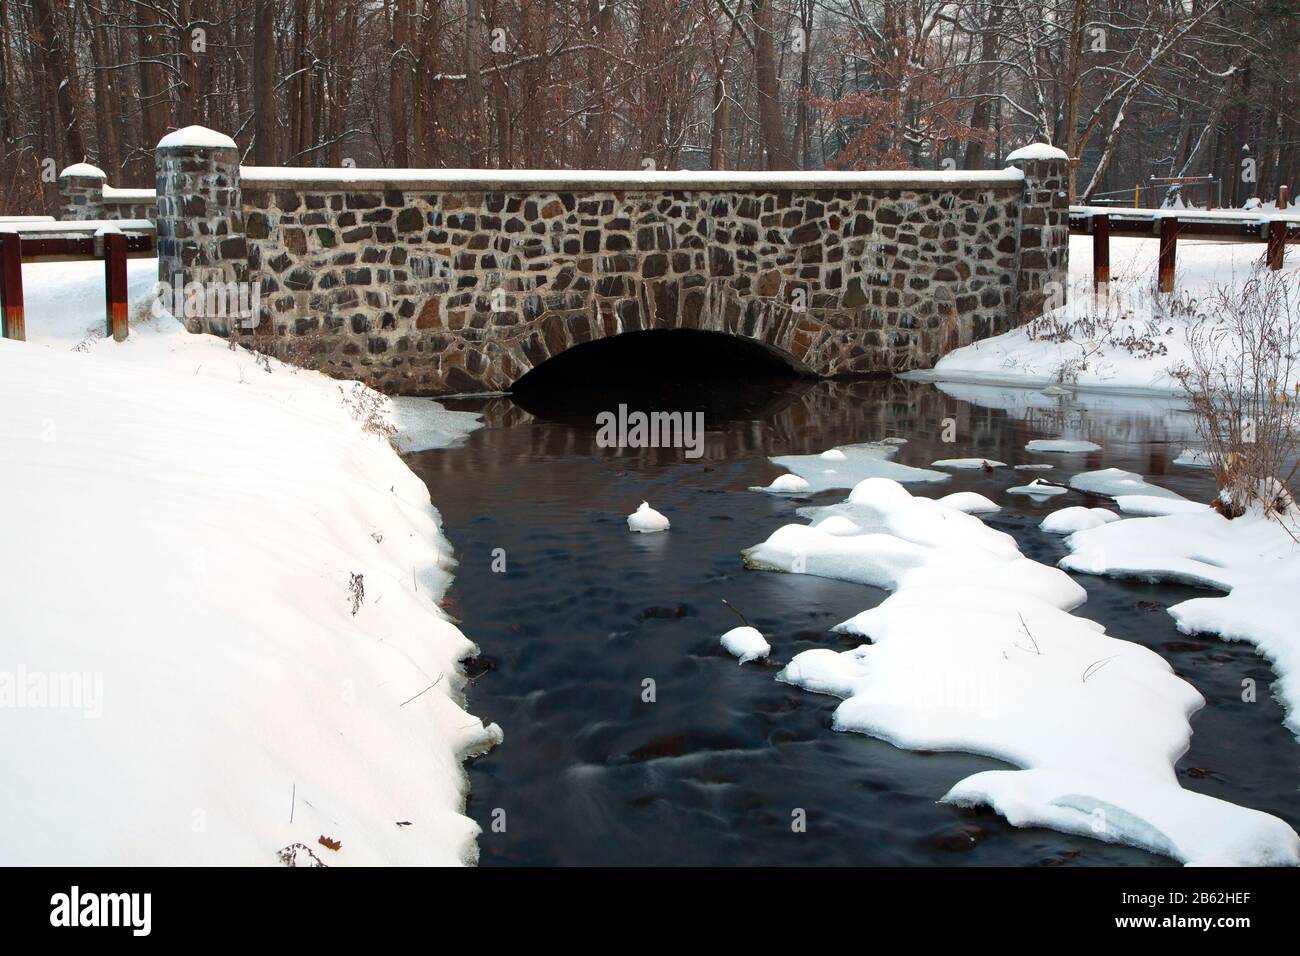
(578, 180)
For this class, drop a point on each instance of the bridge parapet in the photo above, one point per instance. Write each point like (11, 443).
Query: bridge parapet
(438, 281)
(88, 197)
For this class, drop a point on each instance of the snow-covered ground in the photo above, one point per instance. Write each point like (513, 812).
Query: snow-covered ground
(1134, 314)
(221, 632)
(976, 650)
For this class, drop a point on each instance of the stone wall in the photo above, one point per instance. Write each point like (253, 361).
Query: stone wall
(86, 195)
(425, 285)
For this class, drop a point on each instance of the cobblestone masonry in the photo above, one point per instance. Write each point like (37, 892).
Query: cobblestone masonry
(433, 288)
(84, 199)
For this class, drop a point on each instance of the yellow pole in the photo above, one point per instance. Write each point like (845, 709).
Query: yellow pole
(1137, 188)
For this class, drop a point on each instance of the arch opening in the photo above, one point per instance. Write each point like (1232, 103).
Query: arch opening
(661, 369)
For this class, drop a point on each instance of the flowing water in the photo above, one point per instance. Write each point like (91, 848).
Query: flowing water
(725, 760)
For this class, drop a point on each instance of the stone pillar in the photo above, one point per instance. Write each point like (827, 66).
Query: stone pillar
(1044, 229)
(200, 216)
(82, 187)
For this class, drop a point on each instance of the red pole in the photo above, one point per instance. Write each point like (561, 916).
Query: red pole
(12, 325)
(1276, 244)
(1168, 246)
(1100, 254)
(115, 284)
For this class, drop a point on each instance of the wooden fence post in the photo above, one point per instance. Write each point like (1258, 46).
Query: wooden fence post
(1168, 249)
(1276, 244)
(1101, 255)
(1282, 196)
(12, 325)
(115, 284)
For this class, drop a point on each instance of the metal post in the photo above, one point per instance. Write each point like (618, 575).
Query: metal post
(1168, 247)
(115, 285)
(12, 324)
(1101, 255)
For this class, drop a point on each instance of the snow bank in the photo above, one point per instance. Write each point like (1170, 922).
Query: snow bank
(976, 651)
(179, 561)
(1138, 313)
(65, 300)
(1254, 559)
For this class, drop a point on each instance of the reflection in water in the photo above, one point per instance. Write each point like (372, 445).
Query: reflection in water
(712, 770)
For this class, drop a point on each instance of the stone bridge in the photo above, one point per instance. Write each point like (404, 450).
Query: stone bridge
(442, 281)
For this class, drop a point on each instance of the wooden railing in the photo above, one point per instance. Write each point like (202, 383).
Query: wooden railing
(35, 239)
(1272, 228)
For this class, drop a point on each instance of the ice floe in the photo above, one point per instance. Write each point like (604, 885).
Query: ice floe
(646, 520)
(1193, 458)
(1078, 518)
(1113, 482)
(1061, 445)
(1038, 488)
(869, 460)
(967, 463)
(976, 651)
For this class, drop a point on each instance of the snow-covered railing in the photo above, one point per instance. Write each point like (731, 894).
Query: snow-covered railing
(1275, 228)
(70, 242)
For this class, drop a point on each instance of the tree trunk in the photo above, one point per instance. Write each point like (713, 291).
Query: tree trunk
(771, 122)
(60, 76)
(264, 83)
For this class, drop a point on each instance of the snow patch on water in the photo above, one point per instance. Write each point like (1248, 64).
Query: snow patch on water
(975, 650)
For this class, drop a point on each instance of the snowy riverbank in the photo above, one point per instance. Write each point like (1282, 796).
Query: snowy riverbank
(220, 587)
(1129, 345)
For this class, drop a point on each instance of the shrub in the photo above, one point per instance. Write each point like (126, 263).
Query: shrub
(1242, 379)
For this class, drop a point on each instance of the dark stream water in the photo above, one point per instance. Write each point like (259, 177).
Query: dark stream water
(713, 771)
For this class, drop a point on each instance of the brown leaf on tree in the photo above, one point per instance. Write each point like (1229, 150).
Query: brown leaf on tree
(328, 843)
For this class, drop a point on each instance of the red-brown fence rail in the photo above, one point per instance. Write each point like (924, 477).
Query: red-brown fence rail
(39, 241)
(1273, 230)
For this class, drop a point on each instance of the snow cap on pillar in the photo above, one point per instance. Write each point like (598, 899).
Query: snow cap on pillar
(1037, 151)
(83, 171)
(200, 136)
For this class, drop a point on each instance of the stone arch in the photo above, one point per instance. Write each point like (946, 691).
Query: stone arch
(496, 362)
